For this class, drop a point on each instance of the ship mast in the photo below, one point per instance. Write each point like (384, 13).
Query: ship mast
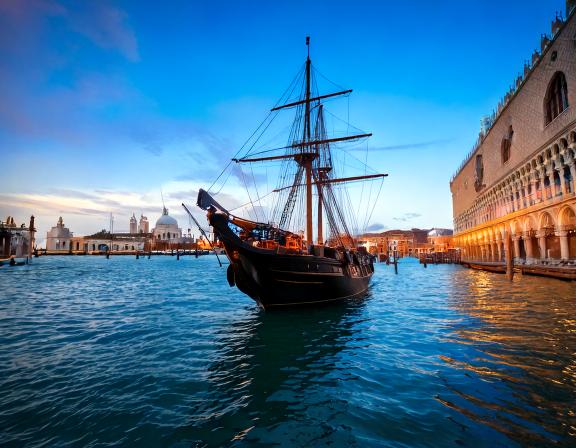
(311, 152)
(308, 160)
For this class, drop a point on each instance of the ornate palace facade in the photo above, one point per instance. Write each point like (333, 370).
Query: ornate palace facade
(520, 178)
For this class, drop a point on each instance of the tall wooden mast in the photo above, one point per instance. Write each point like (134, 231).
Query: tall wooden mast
(320, 212)
(320, 170)
(311, 152)
(308, 162)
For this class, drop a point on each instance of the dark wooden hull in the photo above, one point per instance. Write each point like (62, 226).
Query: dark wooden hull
(275, 280)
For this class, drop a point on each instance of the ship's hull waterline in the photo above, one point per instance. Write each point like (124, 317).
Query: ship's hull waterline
(275, 280)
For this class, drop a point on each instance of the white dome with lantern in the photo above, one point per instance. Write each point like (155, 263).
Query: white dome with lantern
(167, 227)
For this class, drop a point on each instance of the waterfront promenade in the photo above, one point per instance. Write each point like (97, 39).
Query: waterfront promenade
(162, 352)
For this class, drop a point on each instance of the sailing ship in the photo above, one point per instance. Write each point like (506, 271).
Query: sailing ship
(279, 267)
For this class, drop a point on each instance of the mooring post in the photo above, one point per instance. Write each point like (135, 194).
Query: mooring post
(509, 259)
(149, 253)
(177, 255)
(395, 262)
(137, 255)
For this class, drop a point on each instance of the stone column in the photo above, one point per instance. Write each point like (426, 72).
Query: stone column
(531, 195)
(516, 240)
(527, 237)
(538, 191)
(500, 249)
(562, 181)
(494, 247)
(541, 235)
(550, 177)
(564, 247)
(525, 198)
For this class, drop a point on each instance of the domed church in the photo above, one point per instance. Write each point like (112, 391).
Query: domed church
(166, 228)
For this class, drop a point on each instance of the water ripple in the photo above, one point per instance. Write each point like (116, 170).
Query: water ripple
(161, 352)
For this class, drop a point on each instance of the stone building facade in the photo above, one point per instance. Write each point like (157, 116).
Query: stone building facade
(404, 243)
(143, 225)
(520, 177)
(16, 241)
(58, 238)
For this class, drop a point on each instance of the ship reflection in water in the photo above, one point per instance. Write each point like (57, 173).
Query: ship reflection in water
(439, 357)
(278, 374)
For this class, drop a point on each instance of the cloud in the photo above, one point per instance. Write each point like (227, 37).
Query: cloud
(375, 227)
(106, 26)
(102, 23)
(407, 217)
(59, 61)
(419, 145)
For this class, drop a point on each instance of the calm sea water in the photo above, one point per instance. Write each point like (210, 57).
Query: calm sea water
(159, 352)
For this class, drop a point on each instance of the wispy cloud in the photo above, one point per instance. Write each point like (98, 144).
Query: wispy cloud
(47, 76)
(405, 146)
(101, 22)
(407, 217)
(88, 211)
(106, 26)
(376, 227)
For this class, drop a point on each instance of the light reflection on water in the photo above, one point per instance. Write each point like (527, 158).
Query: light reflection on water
(159, 352)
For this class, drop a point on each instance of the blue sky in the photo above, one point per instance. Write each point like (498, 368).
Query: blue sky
(105, 104)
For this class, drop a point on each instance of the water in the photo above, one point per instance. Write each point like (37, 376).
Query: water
(159, 352)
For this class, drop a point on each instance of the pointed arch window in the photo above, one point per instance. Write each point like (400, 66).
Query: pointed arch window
(506, 145)
(556, 100)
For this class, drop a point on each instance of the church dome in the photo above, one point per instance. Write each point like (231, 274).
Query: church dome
(166, 219)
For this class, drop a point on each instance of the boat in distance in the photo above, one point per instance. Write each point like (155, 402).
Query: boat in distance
(274, 263)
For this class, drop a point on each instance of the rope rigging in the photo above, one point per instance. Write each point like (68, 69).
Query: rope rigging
(308, 143)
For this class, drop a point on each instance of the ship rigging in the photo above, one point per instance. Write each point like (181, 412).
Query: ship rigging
(271, 261)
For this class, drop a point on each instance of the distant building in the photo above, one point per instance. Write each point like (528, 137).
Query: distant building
(440, 240)
(103, 242)
(167, 228)
(166, 236)
(133, 224)
(16, 241)
(408, 243)
(405, 243)
(144, 226)
(519, 180)
(58, 238)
